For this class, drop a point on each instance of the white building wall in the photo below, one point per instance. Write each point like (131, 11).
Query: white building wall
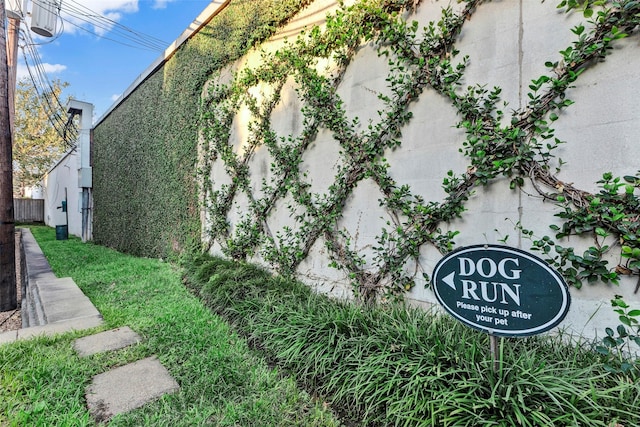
(63, 176)
(70, 178)
(508, 43)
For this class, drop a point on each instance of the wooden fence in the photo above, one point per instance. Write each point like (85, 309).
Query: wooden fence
(28, 210)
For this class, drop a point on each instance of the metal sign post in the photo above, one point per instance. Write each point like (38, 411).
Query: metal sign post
(495, 356)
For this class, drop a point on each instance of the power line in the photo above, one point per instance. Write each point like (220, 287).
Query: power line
(77, 15)
(85, 14)
(51, 102)
(142, 46)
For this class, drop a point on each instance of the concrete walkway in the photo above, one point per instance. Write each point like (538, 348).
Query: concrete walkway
(54, 305)
(50, 305)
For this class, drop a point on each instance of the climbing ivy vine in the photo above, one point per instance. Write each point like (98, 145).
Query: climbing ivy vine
(521, 150)
(145, 151)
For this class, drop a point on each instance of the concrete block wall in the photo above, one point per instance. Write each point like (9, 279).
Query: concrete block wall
(508, 43)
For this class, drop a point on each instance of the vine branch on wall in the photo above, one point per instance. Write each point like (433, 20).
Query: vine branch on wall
(518, 151)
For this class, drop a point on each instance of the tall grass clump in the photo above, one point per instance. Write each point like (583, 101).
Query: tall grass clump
(397, 365)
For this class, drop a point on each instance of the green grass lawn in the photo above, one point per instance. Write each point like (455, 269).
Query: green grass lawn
(372, 365)
(222, 382)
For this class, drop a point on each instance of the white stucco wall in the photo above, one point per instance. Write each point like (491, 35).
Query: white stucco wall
(508, 43)
(68, 176)
(64, 175)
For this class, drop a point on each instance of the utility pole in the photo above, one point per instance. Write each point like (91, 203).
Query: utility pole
(8, 294)
(12, 63)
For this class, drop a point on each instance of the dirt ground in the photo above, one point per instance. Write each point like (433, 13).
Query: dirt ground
(12, 319)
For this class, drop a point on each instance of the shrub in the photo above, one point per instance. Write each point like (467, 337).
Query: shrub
(397, 365)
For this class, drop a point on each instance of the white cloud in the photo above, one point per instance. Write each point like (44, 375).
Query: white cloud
(115, 97)
(161, 4)
(54, 68)
(22, 71)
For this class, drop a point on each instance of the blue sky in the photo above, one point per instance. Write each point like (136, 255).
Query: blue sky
(97, 69)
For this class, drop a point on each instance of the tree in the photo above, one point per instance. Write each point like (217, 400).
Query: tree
(36, 144)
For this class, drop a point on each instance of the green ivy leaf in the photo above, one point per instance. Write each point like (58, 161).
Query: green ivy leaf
(601, 232)
(622, 331)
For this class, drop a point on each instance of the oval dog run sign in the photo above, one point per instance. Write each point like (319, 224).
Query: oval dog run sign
(501, 290)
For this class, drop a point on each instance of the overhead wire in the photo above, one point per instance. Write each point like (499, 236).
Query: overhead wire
(77, 15)
(51, 102)
(139, 46)
(74, 11)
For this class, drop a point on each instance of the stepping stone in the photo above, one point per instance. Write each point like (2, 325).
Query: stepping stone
(128, 387)
(114, 339)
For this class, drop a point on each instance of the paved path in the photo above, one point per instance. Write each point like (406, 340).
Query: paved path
(51, 305)
(56, 305)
